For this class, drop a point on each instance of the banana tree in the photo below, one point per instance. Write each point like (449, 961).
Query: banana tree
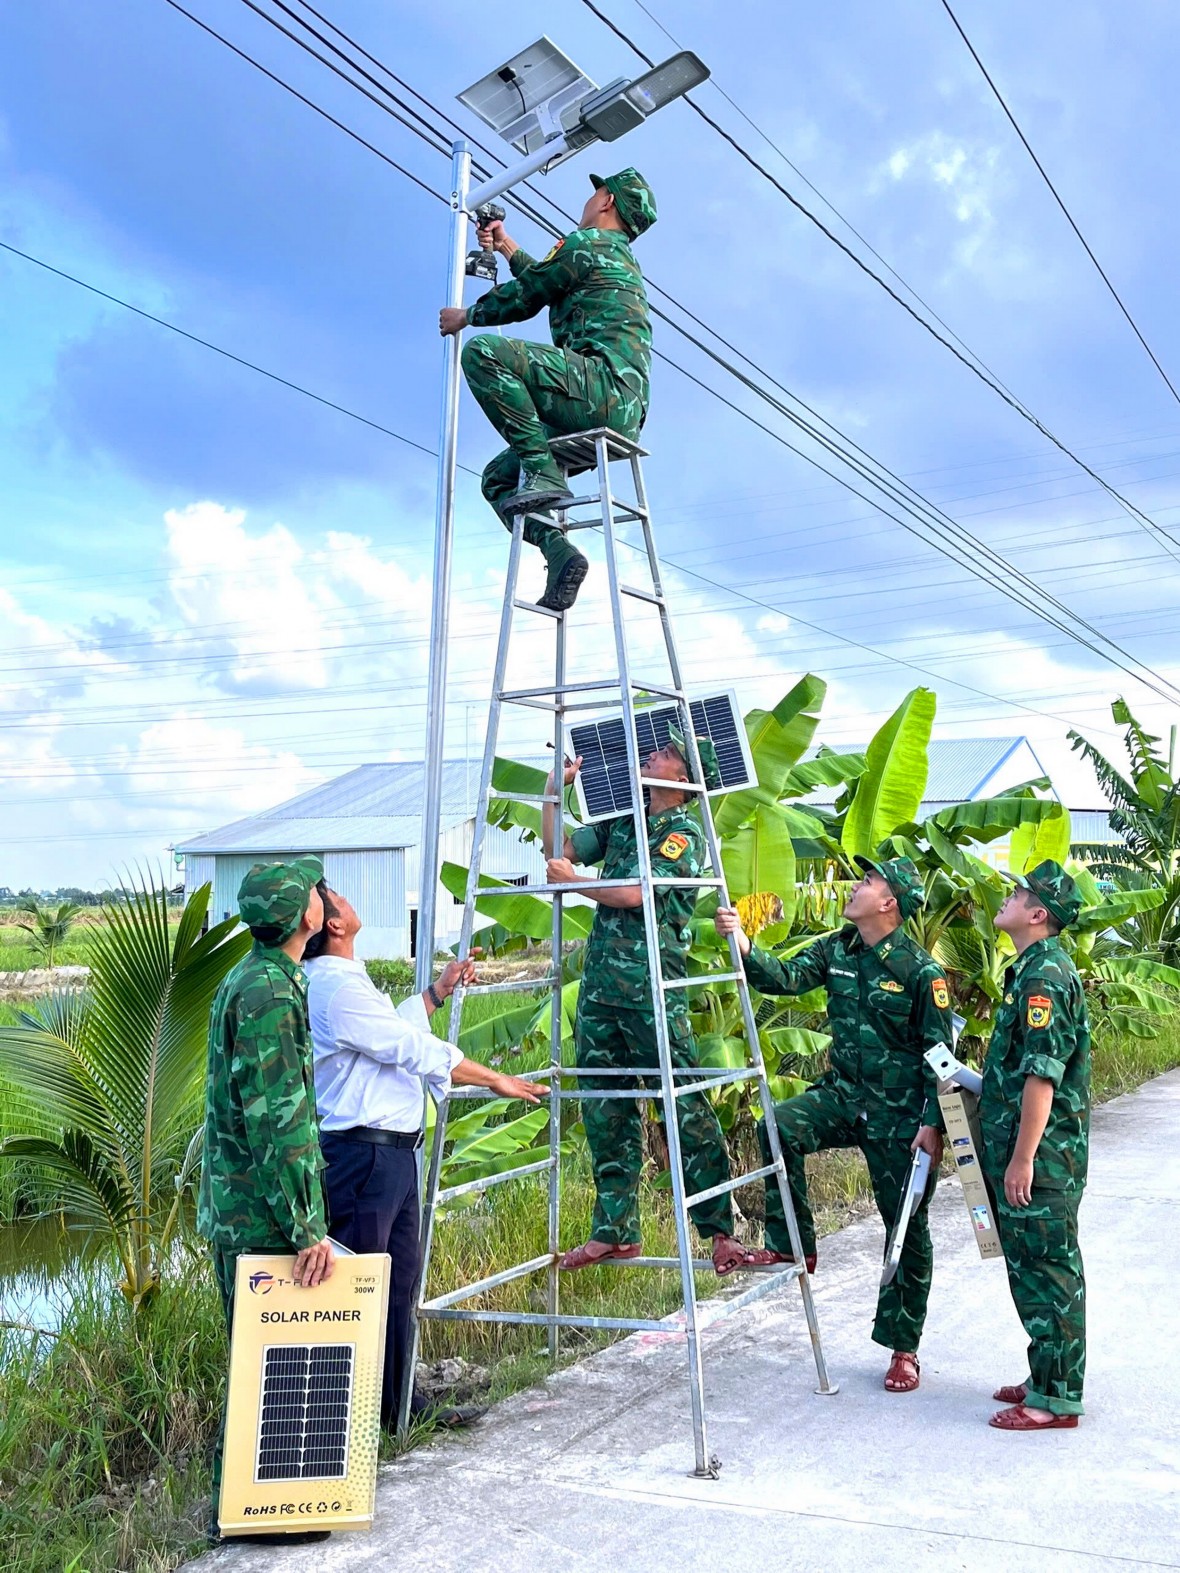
(117, 1074)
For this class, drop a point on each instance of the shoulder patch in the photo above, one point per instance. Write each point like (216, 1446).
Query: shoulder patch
(673, 846)
(892, 987)
(942, 995)
(549, 255)
(1040, 1010)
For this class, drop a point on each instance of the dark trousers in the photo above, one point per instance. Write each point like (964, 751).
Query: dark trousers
(372, 1196)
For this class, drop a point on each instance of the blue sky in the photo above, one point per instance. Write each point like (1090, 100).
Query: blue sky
(214, 592)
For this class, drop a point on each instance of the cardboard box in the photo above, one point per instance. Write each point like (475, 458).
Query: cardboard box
(303, 1406)
(960, 1115)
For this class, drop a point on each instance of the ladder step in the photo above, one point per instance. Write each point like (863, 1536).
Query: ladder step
(523, 797)
(660, 690)
(730, 1185)
(721, 1079)
(641, 595)
(703, 980)
(481, 1285)
(493, 1179)
(516, 694)
(513, 986)
(581, 447)
(531, 606)
(681, 786)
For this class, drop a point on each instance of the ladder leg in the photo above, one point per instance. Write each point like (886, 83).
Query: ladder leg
(426, 1232)
(826, 1386)
(555, 1015)
(706, 1465)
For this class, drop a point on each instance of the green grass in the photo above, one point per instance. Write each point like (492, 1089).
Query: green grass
(105, 1432)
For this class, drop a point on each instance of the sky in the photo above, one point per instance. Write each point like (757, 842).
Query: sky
(214, 590)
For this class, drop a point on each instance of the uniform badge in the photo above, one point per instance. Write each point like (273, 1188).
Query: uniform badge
(1007, 999)
(892, 987)
(673, 846)
(1040, 1010)
(549, 255)
(942, 996)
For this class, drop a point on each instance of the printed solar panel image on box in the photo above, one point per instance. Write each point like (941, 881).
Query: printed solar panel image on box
(306, 1399)
(603, 788)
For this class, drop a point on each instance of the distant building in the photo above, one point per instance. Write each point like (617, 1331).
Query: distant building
(965, 769)
(366, 826)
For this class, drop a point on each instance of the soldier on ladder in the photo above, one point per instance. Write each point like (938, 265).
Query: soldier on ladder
(596, 373)
(615, 1025)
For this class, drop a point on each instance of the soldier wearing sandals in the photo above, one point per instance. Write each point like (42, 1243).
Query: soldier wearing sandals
(888, 1003)
(616, 1026)
(1034, 1116)
(595, 373)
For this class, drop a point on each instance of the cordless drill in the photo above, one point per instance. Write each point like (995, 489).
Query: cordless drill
(482, 264)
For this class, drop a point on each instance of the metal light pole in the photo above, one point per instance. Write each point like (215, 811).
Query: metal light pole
(440, 605)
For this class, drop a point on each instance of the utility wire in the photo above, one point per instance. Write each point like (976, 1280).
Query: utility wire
(993, 383)
(1069, 218)
(998, 583)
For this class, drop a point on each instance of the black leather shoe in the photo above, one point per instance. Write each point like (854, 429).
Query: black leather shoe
(297, 1537)
(452, 1416)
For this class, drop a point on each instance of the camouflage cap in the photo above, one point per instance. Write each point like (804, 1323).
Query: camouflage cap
(903, 879)
(634, 202)
(1054, 889)
(707, 752)
(273, 897)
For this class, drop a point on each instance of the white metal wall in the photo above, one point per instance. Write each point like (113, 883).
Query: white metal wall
(375, 883)
(199, 871)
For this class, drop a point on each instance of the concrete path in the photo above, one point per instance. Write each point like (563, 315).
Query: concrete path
(590, 1474)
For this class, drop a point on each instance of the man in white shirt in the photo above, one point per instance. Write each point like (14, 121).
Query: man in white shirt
(371, 1060)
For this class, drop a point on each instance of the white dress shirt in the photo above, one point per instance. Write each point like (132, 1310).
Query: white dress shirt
(371, 1057)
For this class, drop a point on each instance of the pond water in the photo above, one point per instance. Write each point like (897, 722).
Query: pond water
(41, 1267)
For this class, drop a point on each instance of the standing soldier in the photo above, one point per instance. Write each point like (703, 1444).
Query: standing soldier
(616, 1024)
(1034, 1115)
(888, 1003)
(260, 1180)
(596, 373)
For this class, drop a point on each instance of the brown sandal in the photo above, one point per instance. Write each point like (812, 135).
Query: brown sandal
(582, 1256)
(1018, 1419)
(1013, 1394)
(760, 1258)
(904, 1373)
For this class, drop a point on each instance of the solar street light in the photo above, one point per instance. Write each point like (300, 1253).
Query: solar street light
(548, 109)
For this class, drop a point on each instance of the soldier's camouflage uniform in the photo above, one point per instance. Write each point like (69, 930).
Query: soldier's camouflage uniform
(887, 1004)
(1041, 1029)
(597, 371)
(616, 1027)
(261, 1189)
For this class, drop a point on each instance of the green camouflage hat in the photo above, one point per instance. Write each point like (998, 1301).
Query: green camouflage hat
(707, 752)
(903, 879)
(1054, 889)
(273, 897)
(634, 201)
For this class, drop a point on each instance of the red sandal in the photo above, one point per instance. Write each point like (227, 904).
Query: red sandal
(761, 1258)
(904, 1373)
(1012, 1394)
(582, 1256)
(1018, 1419)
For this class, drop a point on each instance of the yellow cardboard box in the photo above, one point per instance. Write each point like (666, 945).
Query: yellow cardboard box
(960, 1115)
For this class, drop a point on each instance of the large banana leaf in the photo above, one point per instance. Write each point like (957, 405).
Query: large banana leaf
(761, 857)
(509, 775)
(1032, 842)
(1116, 907)
(520, 914)
(826, 769)
(1137, 969)
(889, 792)
(778, 740)
(988, 818)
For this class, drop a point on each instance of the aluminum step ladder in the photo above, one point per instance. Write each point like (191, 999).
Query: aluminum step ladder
(596, 451)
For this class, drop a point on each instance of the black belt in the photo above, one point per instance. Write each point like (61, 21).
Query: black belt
(379, 1138)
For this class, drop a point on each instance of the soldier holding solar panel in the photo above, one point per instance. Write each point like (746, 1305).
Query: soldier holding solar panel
(615, 1026)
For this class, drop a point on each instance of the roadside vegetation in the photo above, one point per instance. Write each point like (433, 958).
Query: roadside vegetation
(112, 1352)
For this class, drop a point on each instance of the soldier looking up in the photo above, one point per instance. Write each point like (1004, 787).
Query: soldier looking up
(616, 1025)
(1034, 1114)
(596, 373)
(887, 1004)
(260, 1178)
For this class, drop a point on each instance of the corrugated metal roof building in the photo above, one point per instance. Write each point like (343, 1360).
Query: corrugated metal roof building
(366, 826)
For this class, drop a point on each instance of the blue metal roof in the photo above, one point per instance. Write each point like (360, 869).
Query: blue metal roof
(959, 766)
(371, 806)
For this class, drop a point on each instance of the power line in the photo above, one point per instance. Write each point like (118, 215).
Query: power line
(940, 532)
(989, 379)
(1069, 218)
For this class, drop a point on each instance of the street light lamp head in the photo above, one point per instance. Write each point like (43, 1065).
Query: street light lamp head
(621, 105)
(675, 77)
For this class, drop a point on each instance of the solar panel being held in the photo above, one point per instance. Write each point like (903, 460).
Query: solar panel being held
(303, 1425)
(604, 784)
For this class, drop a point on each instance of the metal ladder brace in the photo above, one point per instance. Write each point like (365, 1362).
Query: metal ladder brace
(597, 450)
